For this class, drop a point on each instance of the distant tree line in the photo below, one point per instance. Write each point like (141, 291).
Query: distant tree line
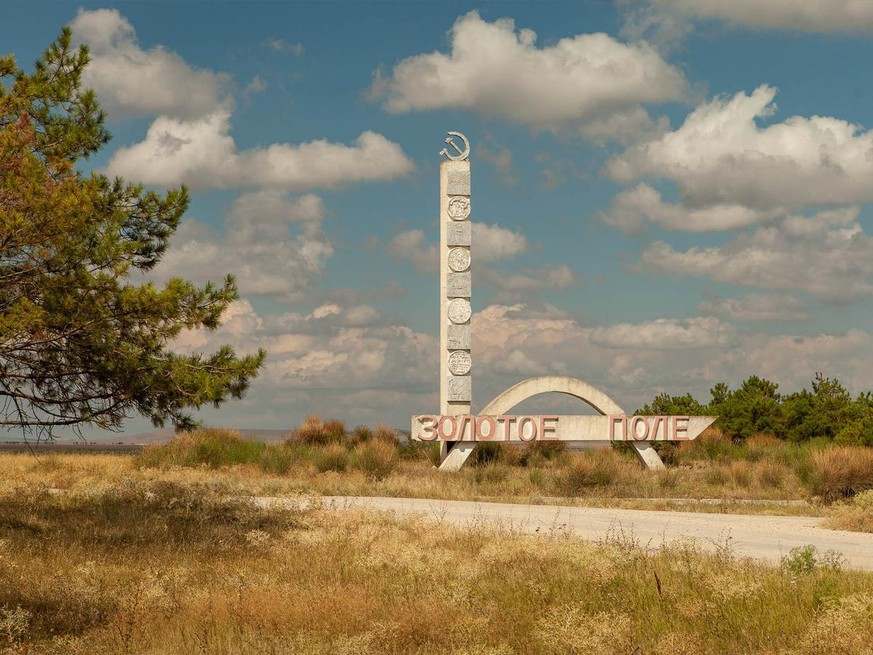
(827, 412)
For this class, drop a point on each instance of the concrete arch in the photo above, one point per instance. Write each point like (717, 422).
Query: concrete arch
(553, 384)
(575, 387)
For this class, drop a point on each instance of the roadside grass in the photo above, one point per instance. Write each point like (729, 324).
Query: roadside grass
(153, 566)
(763, 475)
(324, 457)
(855, 514)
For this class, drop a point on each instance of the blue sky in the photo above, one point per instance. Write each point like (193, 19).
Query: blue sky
(667, 193)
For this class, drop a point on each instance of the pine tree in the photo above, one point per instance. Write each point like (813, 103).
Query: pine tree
(80, 341)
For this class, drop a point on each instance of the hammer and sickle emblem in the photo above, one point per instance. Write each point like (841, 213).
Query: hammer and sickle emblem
(461, 154)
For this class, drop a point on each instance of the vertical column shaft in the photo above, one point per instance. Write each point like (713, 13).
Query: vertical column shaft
(455, 292)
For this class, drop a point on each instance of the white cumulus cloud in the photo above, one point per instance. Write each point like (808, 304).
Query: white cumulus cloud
(493, 243)
(665, 334)
(132, 81)
(634, 362)
(633, 209)
(590, 81)
(794, 360)
(522, 284)
(825, 16)
(201, 153)
(827, 255)
(343, 361)
(273, 244)
(721, 158)
(756, 307)
(413, 246)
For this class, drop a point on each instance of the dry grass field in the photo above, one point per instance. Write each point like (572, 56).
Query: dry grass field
(763, 475)
(148, 567)
(162, 553)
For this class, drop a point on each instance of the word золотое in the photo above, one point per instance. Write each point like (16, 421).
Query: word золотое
(467, 427)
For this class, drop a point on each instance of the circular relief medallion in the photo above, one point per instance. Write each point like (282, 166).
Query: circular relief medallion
(459, 208)
(460, 362)
(459, 311)
(459, 259)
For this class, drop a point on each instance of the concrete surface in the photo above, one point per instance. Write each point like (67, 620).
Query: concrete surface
(761, 537)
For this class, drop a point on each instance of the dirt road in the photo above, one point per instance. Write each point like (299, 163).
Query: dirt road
(762, 537)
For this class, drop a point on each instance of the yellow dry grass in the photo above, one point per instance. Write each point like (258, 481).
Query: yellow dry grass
(855, 514)
(764, 475)
(589, 477)
(154, 566)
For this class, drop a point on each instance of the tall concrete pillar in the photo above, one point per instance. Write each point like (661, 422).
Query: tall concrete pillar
(455, 288)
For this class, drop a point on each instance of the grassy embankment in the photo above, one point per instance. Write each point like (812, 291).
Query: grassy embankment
(134, 566)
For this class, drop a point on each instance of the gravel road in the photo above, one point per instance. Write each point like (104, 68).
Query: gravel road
(762, 537)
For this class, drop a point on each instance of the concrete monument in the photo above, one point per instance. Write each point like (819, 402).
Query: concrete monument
(455, 427)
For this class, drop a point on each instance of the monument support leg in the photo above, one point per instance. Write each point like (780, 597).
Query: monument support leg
(457, 456)
(648, 455)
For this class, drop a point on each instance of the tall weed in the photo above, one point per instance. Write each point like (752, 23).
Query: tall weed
(596, 469)
(841, 472)
(376, 458)
(332, 457)
(281, 458)
(315, 431)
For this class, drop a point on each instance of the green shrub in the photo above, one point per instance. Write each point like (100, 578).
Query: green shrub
(754, 408)
(376, 458)
(332, 457)
(590, 470)
(762, 446)
(856, 433)
(668, 478)
(864, 500)
(771, 474)
(494, 473)
(420, 450)
(361, 434)
(386, 433)
(281, 458)
(716, 475)
(429, 450)
(335, 430)
(537, 478)
(537, 452)
(485, 453)
(741, 472)
(213, 447)
(712, 446)
(806, 559)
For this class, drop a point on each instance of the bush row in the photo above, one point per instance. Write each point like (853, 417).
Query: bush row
(713, 460)
(827, 411)
(326, 446)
